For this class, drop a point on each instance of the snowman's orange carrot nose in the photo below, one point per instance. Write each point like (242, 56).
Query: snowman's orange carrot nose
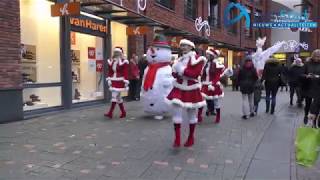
(152, 50)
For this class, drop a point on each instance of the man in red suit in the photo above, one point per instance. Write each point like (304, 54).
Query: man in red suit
(117, 80)
(185, 97)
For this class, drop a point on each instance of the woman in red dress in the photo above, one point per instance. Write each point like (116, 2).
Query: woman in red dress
(117, 80)
(185, 97)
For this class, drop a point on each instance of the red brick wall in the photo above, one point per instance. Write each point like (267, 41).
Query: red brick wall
(10, 76)
(176, 18)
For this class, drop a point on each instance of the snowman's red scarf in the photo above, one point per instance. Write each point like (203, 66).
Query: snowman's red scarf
(151, 74)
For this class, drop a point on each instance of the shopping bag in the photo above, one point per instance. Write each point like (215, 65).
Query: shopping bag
(307, 145)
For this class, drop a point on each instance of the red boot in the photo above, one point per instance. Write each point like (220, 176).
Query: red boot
(200, 115)
(218, 116)
(123, 111)
(190, 140)
(109, 114)
(177, 128)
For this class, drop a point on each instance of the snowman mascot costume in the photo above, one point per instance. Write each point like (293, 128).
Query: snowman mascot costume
(117, 79)
(157, 80)
(185, 97)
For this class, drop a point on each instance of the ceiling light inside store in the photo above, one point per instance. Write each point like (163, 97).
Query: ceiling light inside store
(90, 15)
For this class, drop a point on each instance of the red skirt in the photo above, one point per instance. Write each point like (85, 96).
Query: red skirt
(118, 86)
(187, 99)
(206, 92)
(218, 90)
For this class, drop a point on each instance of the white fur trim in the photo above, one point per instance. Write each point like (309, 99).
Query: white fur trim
(206, 83)
(207, 97)
(186, 87)
(117, 50)
(218, 96)
(109, 61)
(186, 104)
(123, 61)
(187, 42)
(218, 65)
(210, 52)
(118, 89)
(211, 88)
(227, 72)
(117, 79)
(195, 61)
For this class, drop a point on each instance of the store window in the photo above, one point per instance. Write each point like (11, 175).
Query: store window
(40, 42)
(167, 3)
(190, 8)
(38, 98)
(87, 72)
(40, 55)
(214, 13)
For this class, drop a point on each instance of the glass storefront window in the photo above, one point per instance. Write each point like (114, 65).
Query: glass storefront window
(87, 72)
(40, 42)
(38, 98)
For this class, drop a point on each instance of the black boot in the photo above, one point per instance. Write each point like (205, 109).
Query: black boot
(305, 120)
(272, 108)
(291, 103)
(267, 106)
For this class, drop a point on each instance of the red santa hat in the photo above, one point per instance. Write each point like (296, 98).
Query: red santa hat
(213, 52)
(187, 42)
(118, 49)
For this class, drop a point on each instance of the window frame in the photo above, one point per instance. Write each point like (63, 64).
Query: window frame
(211, 18)
(164, 5)
(194, 10)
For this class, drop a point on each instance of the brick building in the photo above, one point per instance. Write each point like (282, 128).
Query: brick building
(54, 63)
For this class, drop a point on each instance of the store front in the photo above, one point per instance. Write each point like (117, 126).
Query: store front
(62, 58)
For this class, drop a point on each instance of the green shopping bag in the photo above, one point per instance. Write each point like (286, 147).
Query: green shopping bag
(307, 145)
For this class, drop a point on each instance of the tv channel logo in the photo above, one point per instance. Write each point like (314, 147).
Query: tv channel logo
(243, 13)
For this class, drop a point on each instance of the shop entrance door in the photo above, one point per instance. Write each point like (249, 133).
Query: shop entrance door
(87, 67)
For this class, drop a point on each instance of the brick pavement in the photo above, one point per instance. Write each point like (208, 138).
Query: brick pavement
(82, 144)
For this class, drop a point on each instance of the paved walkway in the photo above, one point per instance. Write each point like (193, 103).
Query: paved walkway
(82, 144)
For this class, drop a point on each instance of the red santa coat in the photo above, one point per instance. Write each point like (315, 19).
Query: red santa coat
(216, 84)
(186, 87)
(118, 74)
(207, 90)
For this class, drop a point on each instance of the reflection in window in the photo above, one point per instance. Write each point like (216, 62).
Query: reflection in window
(167, 3)
(214, 13)
(190, 8)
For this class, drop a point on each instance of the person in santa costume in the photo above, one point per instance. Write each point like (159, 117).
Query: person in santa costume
(117, 80)
(185, 97)
(212, 89)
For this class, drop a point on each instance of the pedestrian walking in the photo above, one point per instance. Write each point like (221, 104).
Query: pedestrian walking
(258, 87)
(310, 81)
(185, 97)
(247, 79)
(272, 77)
(142, 65)
(134, 76)
(117, 79)
(294, 73)
(234, 77)
(284, 77)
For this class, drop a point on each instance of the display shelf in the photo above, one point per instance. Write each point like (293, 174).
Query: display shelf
(76, 63)
(36, 105)
(28, 61)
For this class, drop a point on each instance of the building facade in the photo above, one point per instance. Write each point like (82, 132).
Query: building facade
(55, 63)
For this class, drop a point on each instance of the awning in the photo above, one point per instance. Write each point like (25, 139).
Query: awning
(113, 11)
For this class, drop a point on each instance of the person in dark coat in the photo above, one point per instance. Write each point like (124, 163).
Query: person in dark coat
(311, 83)
(247, 79)
(284, 77)
(272, 77)
(234, 77)
(258, 87)
(142, 65)
(295, 71)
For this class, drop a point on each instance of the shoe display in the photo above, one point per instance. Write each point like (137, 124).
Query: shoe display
(77, 94)
(34, 98)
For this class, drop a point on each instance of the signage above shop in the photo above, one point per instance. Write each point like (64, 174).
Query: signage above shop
(65, 9)
(139, 30)
(89, 24)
